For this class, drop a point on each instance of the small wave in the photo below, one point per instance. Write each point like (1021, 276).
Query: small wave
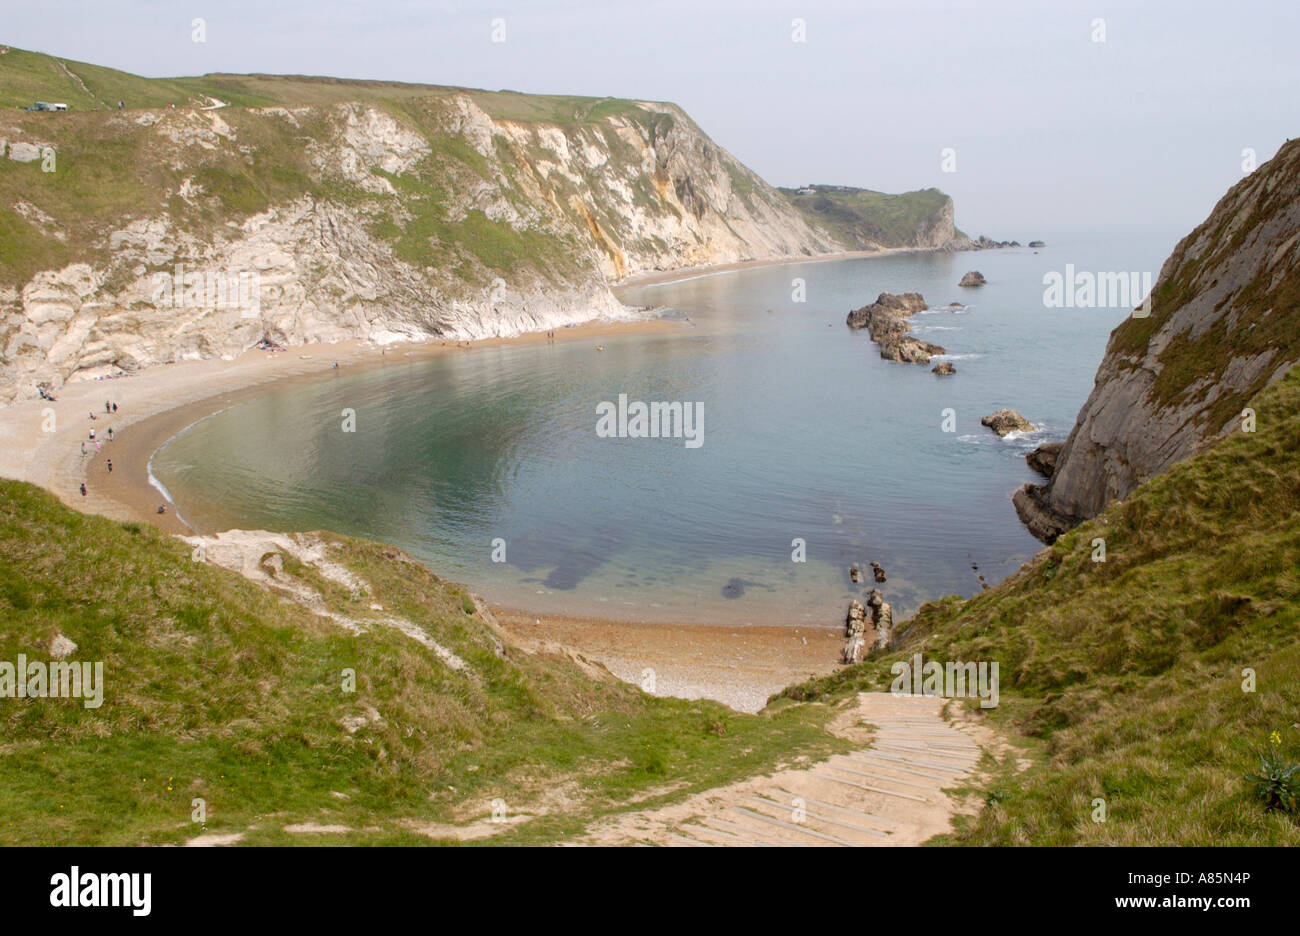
(950, 310)
(930, 328)
(162, 489)
(957, 357)
(1017, 436)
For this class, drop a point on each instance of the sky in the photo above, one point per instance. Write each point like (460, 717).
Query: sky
(1060, 115)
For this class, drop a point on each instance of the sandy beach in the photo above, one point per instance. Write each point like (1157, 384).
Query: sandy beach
(41, 442)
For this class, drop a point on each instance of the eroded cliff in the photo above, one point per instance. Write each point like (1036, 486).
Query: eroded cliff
(1224, 323)
(142, 236)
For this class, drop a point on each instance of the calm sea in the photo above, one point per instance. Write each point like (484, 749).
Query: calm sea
(807, 435)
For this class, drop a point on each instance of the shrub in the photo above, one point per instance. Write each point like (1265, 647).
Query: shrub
(1277, 782)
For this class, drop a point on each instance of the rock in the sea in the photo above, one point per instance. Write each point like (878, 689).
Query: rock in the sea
(886, 322)
(973, 278)
(1005, 421)
(943, 367)
(909, 350)
(878, 571)
(1043, 459)
(1037, 244)
(886, 307)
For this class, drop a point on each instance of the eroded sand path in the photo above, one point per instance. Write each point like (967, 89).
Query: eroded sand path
(891, 791)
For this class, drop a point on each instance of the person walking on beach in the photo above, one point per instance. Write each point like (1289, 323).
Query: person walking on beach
(110, 433)
(115, 407)
(110, 466)
(83, 488)
(92, 433)
(108, 407)
(83, 449)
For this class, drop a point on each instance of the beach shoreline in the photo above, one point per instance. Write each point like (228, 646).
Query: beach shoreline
(737, 663)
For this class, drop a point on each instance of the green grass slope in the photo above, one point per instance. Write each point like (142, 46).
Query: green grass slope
(217, 689)
(864, 219)
(1126, 676)
(27, 77)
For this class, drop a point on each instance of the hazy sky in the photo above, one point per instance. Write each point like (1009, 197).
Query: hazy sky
(1052, 130)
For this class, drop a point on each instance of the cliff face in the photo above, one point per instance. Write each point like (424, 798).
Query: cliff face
(1224, 323)
(164, 234)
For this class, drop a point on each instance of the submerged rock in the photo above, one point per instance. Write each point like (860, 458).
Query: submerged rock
(1005, 421)
(943, 367)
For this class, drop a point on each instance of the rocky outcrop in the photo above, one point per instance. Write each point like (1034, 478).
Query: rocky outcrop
(882, 620)
(886, 322)
(984, 242)
(855, 627)
(1006, 421)
(973, 278)
(887, 312)
(1037, 244)
(909, 350)
(877, 615)
(1223, 323)
(1043, 459)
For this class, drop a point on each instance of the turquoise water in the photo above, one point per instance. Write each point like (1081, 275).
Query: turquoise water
(807, 434)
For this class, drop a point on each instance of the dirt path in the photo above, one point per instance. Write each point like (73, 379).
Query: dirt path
(889, 792)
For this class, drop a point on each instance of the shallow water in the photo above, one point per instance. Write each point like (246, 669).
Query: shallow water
(807, 434)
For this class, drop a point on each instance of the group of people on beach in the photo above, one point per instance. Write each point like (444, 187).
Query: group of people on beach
(110, 408)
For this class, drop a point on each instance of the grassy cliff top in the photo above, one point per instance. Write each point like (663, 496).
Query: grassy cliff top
(863, 218)
(27, 77)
